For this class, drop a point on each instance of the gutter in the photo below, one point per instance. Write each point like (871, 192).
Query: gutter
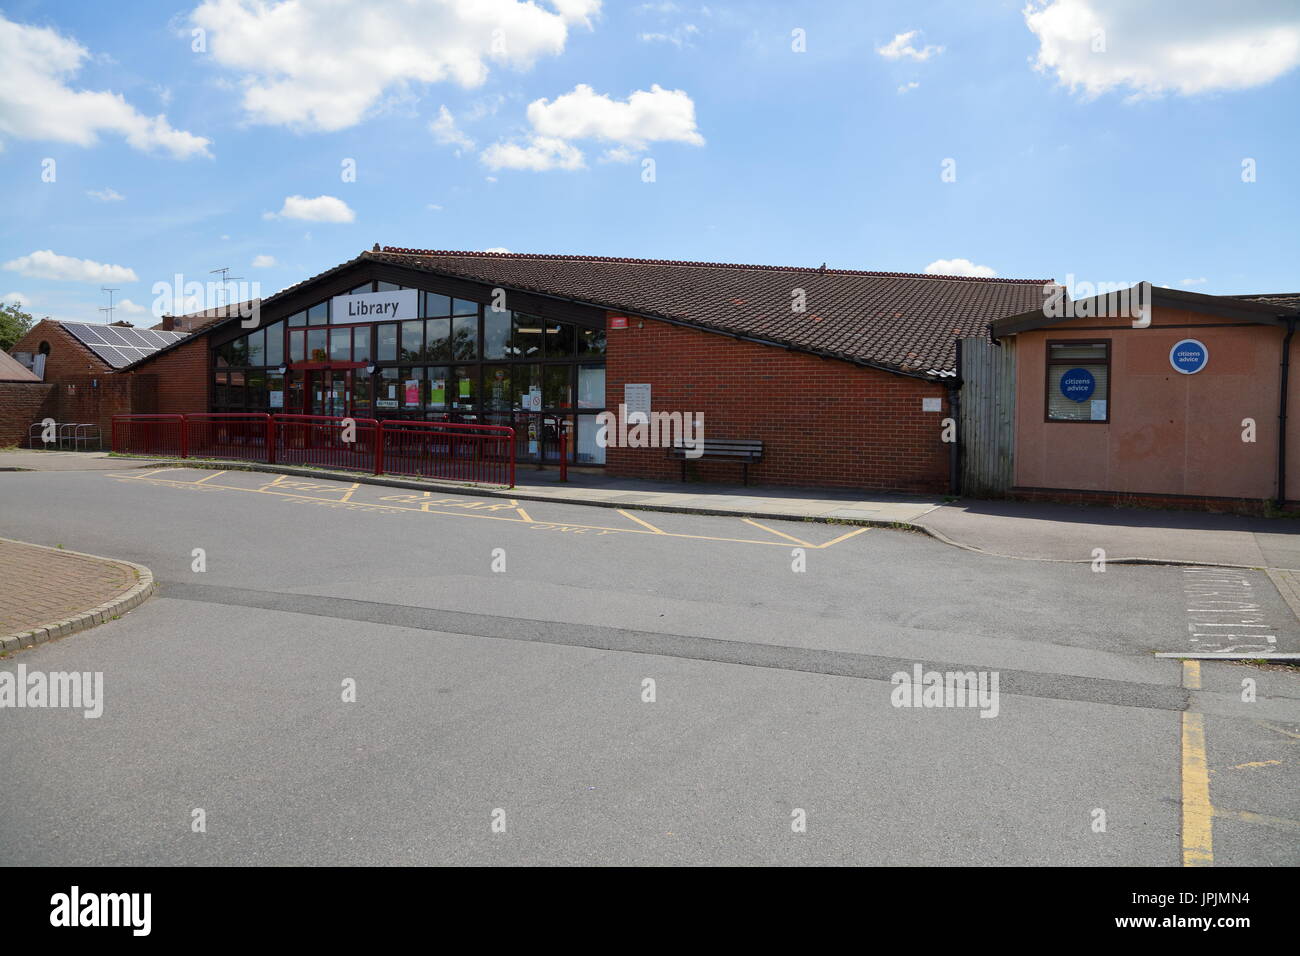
(1281, 415)
(956, 448)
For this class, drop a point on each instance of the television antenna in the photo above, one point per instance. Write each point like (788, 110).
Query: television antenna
(226, 279)
(110, 307)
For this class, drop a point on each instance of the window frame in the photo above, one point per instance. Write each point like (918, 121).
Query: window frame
(1049, 364)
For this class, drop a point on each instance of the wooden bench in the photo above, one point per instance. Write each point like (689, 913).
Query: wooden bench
(742, 450)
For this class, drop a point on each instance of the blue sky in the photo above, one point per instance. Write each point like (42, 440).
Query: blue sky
(1111, 164)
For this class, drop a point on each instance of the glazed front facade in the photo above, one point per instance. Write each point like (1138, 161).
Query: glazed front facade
(534, 364)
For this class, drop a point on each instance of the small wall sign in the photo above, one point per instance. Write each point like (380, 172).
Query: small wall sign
(1078, 384)
(618, 322)
(1189, 356)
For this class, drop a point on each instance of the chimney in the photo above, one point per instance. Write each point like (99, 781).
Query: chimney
(168, 323)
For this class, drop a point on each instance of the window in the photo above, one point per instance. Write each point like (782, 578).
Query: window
(496, 334)
(387, 343)
(559, 340)
(557, 391)
(436, 306)
(361, 343)
(340, 345)
(464, 337)
(464, 393)
(437, 339)
(526, 337)
(297, 346)
(412, 341)
(318, 314)
(1078, 381)
(316, 345)
(275, 344)
(591, 386)
(591, 341)
(298, 319)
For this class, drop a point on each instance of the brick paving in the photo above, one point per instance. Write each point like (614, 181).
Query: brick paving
(45, 585)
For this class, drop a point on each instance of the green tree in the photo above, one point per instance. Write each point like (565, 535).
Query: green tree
(14, 324)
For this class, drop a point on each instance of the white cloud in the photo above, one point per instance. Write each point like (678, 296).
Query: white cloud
(264, 262)
(15, 298)
(319, 209)
(680, 37)
(959, 267)
(433, 207)
(1160, 46)
(1189, 282)
(908, 86)
(539, 153)
(654, 115)
(444, 130)
(307, 66)
(901, 46)
(131, 308)
(46, 264)
(37, 103)
(105, 195)
(498, 249)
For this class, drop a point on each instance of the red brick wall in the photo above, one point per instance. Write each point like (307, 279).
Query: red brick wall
(181, 378)
(21, 404)
(823, 422)
(67, 355)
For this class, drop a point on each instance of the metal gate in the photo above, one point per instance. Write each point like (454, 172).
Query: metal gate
(988, 416)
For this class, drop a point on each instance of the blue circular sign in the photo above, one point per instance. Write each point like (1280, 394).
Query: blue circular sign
(1078, 385)
(1189, 356)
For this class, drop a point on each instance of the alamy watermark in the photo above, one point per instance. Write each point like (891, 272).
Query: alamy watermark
(934, 689)
(77, 690)
(624, 429)
(1082, 300)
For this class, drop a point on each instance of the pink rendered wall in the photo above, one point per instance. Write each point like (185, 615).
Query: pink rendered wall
(1168, 433)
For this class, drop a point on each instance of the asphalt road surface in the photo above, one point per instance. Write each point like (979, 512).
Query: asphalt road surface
(548, 684)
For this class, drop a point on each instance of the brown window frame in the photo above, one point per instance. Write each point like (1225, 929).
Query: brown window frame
(1049, 364)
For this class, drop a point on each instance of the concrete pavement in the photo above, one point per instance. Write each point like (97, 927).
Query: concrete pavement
(1031, 530)
(523, 690)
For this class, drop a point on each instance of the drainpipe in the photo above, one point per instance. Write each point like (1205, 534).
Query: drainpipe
(1281, 415)
(954, 450)
(954, 409)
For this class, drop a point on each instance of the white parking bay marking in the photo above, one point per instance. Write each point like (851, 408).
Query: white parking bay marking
(1224, 614)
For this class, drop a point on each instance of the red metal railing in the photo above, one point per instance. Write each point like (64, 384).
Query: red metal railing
(447, 450)
(150, 435)
(328, 442)
(245, 436)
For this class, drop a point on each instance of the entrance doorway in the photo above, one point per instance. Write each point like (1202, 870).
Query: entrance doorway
(329, 392)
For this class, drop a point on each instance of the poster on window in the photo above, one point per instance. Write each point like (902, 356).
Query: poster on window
(412, 391)
(277, 399)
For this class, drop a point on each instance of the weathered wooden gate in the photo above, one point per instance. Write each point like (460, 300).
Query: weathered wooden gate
(988, 416)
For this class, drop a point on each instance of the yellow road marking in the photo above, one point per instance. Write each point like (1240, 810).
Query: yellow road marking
(843, 537)
(1258, 763)
(348, 494)
(267, 489)
(1276, 729)
(210, 477)
(1246, 816)
(1198, 812)
(645, 524)
(781, 533)
(524, 514)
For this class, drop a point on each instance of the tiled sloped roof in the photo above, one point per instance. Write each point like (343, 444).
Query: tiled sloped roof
(1288, 300)
(902, 321)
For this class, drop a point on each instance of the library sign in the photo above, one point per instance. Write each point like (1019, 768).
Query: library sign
(375, 306)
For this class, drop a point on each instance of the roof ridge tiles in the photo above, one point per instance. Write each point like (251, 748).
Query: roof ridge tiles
(555, 257)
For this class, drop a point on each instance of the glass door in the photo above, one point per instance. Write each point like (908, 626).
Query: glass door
(330, 392)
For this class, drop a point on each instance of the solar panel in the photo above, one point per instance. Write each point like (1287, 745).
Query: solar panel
(119, 345)
(113, 336)
(109, 354)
